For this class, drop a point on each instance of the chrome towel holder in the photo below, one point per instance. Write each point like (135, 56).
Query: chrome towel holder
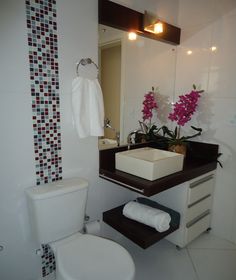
(84, 62)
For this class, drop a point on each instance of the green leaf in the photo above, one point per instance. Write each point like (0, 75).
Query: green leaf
(194, 86)
(196, 128)
(154, 127)
(143, 126)
(196, 134)
(176, 132)
(166, 130)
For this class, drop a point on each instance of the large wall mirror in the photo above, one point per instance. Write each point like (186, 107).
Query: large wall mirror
(128, 70)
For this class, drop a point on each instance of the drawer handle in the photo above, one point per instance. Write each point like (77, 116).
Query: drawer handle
(194, 221)
(200, 181)
(196, 202)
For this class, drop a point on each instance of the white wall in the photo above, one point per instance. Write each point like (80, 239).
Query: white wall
(212, 24)
(17, 169)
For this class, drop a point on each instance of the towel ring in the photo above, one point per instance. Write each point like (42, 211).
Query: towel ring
(85, 61)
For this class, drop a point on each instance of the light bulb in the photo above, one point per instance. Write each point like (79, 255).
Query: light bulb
(158, 28)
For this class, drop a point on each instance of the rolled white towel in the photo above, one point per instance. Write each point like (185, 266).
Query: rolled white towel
(147, 215)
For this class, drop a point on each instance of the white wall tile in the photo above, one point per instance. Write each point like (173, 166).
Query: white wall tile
(17, 170)
(222, 68)
(214, 71)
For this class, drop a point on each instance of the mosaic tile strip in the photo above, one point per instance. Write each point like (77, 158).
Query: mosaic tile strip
(48, 261)
(44, 79)
(43, 61)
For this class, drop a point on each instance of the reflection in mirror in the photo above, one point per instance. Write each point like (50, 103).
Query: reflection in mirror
(110, 80)
(110, 60)
(128, 70)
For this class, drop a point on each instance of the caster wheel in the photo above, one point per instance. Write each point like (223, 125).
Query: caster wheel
(177, 247)
(208, 230)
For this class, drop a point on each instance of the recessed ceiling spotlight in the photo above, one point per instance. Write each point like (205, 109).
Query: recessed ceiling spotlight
(132, 36)
(213, 48)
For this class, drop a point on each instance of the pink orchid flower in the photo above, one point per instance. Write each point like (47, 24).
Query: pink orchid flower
(185, 107)
(149, 104)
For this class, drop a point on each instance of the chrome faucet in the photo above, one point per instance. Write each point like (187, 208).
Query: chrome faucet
(107, 124)
(118, 138)
(129, 139)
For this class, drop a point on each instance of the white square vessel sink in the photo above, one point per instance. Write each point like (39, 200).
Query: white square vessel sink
(149, 163)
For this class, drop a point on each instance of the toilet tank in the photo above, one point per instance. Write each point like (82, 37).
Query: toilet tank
(57, 209)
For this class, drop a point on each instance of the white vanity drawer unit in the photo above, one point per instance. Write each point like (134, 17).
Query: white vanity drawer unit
(193, 200)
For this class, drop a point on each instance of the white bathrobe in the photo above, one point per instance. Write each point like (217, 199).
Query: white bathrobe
(88, 107)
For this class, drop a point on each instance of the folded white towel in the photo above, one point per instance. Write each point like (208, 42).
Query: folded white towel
(147, 215)
(88, 107)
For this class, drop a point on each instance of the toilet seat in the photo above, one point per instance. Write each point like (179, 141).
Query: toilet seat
(88, 257)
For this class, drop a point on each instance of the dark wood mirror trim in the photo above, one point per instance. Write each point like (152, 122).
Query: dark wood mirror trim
(126, 19)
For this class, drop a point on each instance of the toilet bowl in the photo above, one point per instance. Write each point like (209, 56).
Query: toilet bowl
(57, 213)
(88, 257)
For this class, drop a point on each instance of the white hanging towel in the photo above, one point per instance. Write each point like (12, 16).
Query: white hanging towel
(88, 107)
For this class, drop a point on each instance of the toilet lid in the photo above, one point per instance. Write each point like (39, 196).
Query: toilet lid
(91, 257)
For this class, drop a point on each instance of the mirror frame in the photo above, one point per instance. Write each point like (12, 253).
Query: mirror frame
(109, 13)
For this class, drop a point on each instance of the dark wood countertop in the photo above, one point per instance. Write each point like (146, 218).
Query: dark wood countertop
(201, 158)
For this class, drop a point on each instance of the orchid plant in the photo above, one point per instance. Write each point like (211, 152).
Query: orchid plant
(182, 113)
(148, 128)
(149, 105)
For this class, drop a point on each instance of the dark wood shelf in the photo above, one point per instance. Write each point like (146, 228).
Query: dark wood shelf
(142, 235)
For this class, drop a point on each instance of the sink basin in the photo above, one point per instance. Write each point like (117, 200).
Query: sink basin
(149, 163)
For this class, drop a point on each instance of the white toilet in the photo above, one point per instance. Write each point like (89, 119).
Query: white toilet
(57, 213)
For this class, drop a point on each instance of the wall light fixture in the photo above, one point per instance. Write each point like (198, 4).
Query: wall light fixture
(152, 24)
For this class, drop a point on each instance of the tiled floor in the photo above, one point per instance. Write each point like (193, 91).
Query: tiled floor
(206, 258)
